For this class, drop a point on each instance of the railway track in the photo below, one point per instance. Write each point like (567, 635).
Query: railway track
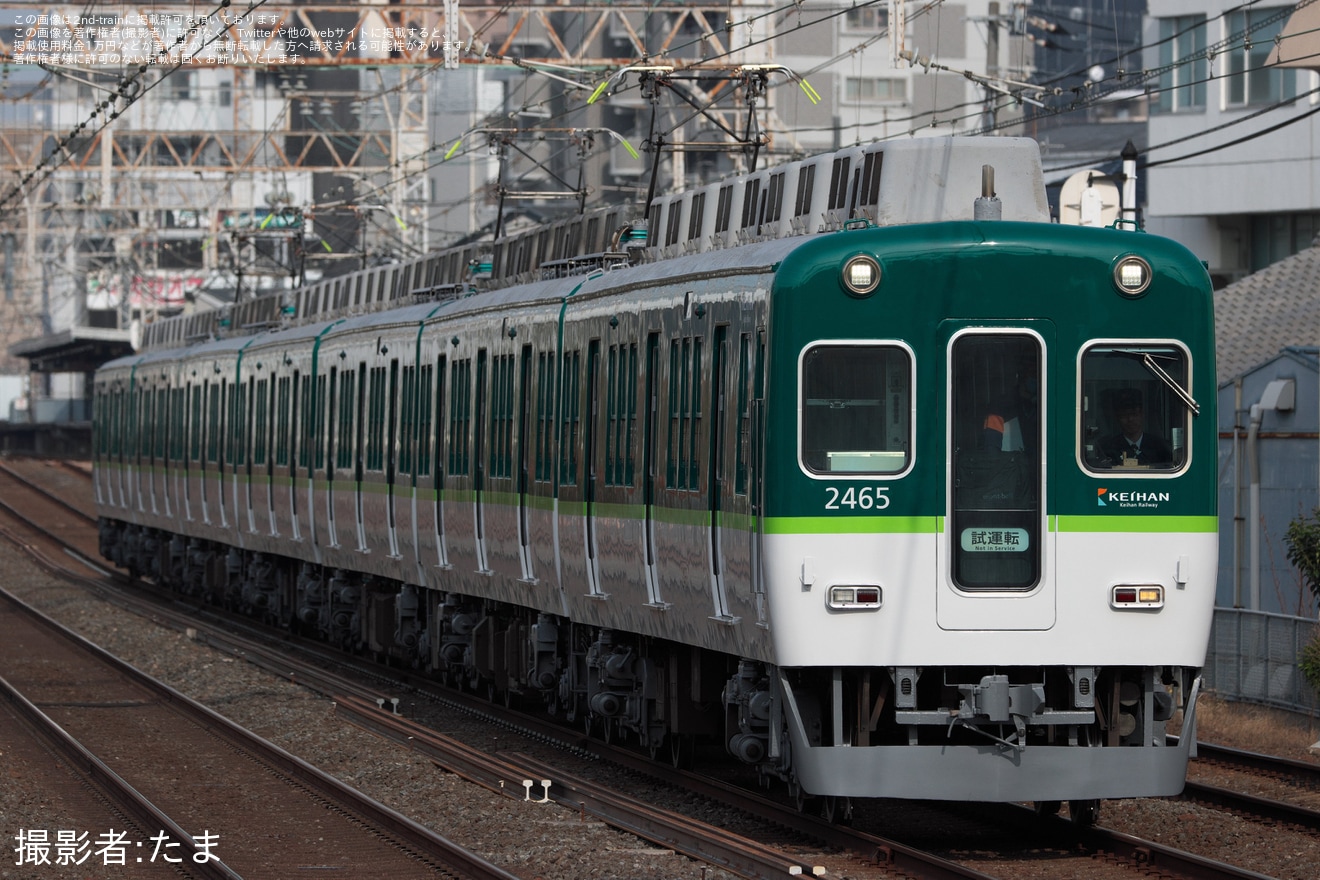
(879, 854)
(207, 785)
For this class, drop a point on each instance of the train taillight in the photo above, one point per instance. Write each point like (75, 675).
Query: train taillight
(1137, 596)
(850, 597)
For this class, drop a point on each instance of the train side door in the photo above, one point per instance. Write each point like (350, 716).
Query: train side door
(479, 457)
(996, 550)
(591, 441)
(651, 418)
(715, 470)
(391, 454)
(523, 475)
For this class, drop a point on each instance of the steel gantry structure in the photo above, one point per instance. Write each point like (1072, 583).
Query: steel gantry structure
(145, 142)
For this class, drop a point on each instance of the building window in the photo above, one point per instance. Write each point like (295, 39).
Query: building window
(181, 86)
(864, 89)
(1277, 236)
(1251, 36)
(869, 19)
(1182, 64)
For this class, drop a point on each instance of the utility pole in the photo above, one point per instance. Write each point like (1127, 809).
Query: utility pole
(991, 63)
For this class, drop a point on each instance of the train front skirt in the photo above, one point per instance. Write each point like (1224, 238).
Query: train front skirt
(993, 772)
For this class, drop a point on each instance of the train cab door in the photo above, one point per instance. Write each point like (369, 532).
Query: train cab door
(996, 551)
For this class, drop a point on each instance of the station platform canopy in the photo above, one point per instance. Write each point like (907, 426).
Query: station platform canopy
(75, 350)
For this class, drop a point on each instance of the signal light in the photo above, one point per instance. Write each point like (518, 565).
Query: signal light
(855, 597)
(1137, 596)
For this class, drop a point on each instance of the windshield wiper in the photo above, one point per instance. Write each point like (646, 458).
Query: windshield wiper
(1158, 372)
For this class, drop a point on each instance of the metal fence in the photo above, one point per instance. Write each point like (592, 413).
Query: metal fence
(1253, 657)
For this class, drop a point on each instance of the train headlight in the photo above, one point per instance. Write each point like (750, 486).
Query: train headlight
(1132, 275)
(1137, 596)
(861, 275)
(855, 597)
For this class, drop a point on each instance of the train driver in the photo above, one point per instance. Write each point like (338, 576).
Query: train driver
(1132, 445)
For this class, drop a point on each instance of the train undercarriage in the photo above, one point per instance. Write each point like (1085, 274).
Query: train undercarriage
(668, 697)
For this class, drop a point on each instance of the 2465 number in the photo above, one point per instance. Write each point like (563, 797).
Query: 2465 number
(857, 498)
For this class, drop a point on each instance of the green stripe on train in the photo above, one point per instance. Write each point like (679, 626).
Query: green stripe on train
(1150, 524)
(929, 525)
(852, 525)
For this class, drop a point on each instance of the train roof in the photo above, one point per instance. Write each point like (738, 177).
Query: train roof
(891, 183)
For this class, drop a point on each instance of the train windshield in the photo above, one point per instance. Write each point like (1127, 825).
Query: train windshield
(855, 410)
(996, 445)
(1135, 408)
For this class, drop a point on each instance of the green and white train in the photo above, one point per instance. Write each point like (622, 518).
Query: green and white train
(827, 473)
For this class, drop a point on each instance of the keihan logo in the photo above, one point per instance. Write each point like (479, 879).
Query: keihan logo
(1100, 497)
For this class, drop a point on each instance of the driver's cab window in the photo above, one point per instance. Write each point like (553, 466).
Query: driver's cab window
(1135, 408)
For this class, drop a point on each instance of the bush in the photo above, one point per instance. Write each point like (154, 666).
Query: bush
(1303, 540)
(1308, 661)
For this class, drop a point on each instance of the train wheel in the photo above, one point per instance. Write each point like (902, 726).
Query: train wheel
(681, 750)
(1084, 812)
(837, 810)
(1047, 808)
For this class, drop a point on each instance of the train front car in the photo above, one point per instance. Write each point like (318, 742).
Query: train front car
(979, 588)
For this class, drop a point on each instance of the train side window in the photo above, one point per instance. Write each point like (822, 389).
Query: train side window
(234, 409)
(195, 428)
(570, 408)
(376, 420)
(683, 466)
(423, 417)
(441, 375)
(308, 422)
(1134, 408)
(259, 429)
(344, 434)
(620, 414)
(213, 392)
(501, 416)
(460, 415)
(855, 409)
(408, 419)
